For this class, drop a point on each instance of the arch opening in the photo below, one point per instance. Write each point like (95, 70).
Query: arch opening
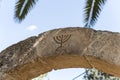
(41, 66)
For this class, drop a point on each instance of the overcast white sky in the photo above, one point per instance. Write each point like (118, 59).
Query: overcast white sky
(51, 14)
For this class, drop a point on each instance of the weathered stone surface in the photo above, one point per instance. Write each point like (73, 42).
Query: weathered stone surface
(61, 48)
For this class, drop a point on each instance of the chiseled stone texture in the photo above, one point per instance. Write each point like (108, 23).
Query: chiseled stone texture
(61, 48)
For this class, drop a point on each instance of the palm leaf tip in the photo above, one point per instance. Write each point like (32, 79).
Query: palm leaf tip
(92, 11)
(22, 8)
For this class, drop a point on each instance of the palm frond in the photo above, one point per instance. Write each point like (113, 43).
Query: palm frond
(22, 8)
(92, 11)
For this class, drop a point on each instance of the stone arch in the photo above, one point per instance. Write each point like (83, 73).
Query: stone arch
(61, 48)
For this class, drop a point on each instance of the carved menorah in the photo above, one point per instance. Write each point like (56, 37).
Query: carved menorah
(60, 39)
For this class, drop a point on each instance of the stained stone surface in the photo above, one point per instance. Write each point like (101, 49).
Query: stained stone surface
(61, 48)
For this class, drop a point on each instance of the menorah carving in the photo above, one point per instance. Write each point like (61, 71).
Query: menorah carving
(61, 39)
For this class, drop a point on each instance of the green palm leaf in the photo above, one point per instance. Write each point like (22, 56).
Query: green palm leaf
(92, 11)
(22, 8)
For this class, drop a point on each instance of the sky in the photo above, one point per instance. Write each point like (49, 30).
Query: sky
(51, 14)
